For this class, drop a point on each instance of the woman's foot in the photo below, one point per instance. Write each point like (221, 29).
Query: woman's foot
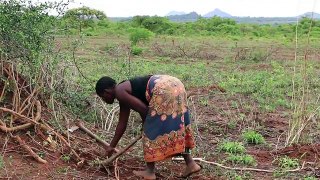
(145, 174)
(190, 169)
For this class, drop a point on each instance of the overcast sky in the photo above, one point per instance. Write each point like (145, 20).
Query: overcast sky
(253, 8)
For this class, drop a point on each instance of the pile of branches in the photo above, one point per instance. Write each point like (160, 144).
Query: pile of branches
(21, 110)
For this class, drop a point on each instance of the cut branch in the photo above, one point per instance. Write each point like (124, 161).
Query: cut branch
(6, 129)
(18, 115)
(115, 156)
(98, 139)
(29, 150)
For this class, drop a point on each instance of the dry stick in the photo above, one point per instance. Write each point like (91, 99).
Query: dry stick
(29, 150)
(24, 126)
(23, 104)
(18, 115)
(5, 129)
(115, 156)
(240, 169)
(98, 139)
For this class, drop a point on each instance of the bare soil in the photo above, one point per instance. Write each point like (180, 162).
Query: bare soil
(215, 119)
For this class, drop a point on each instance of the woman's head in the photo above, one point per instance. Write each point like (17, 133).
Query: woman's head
(105, 89)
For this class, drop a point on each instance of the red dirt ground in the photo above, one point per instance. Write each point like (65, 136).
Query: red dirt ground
(212, 125)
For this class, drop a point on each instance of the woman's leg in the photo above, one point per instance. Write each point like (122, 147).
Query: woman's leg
(149, 173)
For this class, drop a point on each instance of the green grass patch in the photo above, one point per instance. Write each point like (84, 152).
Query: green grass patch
(243, 159)
(288, 163)
(310, 178)
(65, 157)
(253, 137)
(232, 147)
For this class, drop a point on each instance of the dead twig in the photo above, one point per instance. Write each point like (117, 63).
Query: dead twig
(240, 169)
(46, 127)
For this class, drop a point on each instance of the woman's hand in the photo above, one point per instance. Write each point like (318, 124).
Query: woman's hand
(110, 150)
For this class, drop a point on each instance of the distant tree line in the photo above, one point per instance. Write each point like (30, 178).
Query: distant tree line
(93, 22)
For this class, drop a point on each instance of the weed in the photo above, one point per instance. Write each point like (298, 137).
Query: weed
(41, 154)
(232, 124)
(253, 137)
(62, 170)
(65, 157)
(309, 178)
(288, 163)
(233, 175)
(234, 104)
(204, 101)
(241, 159)
(232, 147)
(1, 162)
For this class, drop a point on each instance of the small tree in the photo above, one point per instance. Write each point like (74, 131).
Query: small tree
(83, 17)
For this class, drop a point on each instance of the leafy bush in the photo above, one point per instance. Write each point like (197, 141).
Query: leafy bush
(253, 137)
(139, 34)
(135, 50)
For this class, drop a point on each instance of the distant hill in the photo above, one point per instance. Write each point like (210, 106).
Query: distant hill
(173, 13)
(176, 16)
(309, 15)
(217, 12)
(193, 16)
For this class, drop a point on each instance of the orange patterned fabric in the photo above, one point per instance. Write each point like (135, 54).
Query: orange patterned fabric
(167, 128)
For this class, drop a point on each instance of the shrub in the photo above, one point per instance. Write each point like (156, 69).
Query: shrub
(139, 34)
(136, 50)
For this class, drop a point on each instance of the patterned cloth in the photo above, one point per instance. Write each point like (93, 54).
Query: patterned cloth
(166, 130)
